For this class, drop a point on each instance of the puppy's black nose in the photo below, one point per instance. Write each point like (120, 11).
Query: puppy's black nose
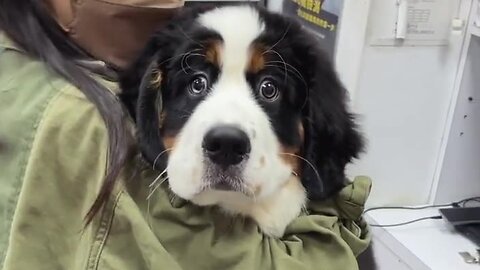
(226, 145)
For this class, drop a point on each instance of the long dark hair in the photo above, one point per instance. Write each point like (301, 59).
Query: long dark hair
(29, 24)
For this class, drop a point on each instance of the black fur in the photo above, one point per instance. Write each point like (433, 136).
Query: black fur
(331, 137)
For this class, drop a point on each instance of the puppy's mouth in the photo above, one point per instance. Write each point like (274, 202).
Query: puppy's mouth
(225, 179)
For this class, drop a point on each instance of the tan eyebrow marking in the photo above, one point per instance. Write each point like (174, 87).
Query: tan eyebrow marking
(213, 52)
(257, 58)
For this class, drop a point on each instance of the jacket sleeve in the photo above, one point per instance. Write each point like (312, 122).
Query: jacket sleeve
(329, 236)
(62, 164)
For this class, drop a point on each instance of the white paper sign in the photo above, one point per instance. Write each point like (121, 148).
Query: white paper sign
(429, 19)
(426, 22)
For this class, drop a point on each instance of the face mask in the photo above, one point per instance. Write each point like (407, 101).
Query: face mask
(113, 31)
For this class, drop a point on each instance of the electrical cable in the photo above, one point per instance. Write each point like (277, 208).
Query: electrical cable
(407, 207)
(461, 203)
(404, 223)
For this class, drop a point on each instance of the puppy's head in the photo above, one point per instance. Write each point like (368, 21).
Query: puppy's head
(235, 100)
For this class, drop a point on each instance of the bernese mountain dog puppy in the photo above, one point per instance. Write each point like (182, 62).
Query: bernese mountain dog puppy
(241, 109)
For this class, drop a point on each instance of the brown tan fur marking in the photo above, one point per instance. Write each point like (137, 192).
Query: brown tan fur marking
(161, 118)
(289, 153)
(169, 142)
(289, 156)
(213, 52)
(257, 59)
(156, 79)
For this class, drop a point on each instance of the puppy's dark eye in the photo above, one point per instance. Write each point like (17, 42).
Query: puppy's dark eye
(199, 85)
(268, 90)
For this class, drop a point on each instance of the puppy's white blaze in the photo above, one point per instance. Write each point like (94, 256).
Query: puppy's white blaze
(239, 27)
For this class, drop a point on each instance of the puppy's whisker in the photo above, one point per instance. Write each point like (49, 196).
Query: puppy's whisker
(159, 155)
(281, 58)
(198, 54)
(156, 187)
(289, 65)
(178, 55)
(290, 68)
(290, 71)
(309, 164)
(158, 177)
(299, 76)
(195, 54)
(185, 57)
(173, 198)
(182, 61)
(149, 216)
(190, 38)
(282, 37)
(190, 55)
(282, 67)
(285, 64)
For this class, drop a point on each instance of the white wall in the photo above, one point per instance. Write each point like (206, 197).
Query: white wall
(403, 96)
(351, 42)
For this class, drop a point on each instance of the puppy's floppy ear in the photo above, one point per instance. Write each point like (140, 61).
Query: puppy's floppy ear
(143, 98)
(141, 86)
(331, 137)
(132, 78)
(148, 110)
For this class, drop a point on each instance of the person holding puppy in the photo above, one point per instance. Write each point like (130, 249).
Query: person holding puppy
(65, 134)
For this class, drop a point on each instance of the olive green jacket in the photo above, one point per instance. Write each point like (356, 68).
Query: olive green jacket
(53, 162)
